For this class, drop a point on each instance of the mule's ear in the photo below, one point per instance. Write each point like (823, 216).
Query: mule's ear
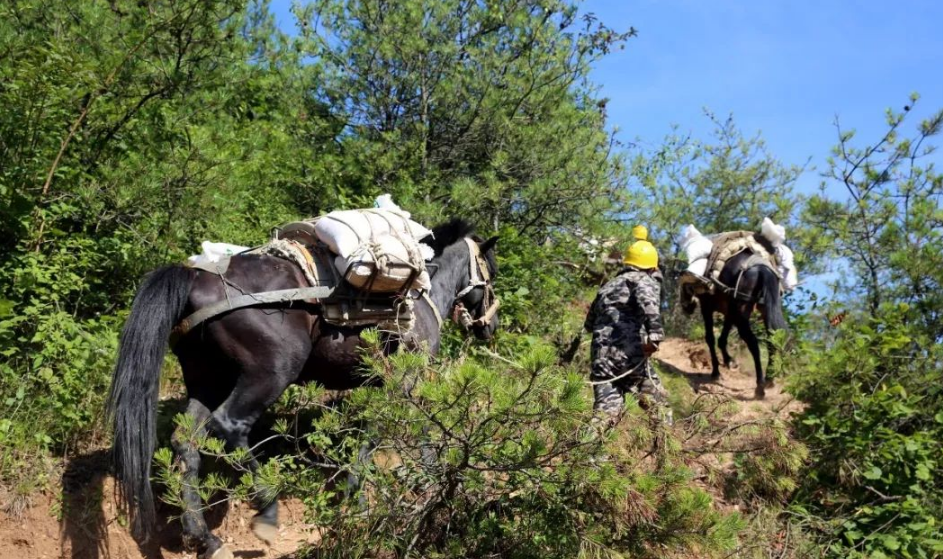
(488, 245)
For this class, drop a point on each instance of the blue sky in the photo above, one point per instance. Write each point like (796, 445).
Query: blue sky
(785, 68)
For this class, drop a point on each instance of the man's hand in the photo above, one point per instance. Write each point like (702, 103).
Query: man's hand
(649, 348)
(570, 353)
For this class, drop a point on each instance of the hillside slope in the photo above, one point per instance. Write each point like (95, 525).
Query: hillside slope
(81, 521)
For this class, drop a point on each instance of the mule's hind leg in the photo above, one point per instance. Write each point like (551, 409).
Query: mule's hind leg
(196, 535)
(746, 333)
(722, 342)
(233, 421)
(364, 460)
(770, 346)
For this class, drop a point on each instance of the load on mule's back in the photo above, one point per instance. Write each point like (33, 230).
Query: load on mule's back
(734, 273)
(248, 325)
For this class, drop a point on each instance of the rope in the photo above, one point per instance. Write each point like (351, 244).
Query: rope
(622, 376)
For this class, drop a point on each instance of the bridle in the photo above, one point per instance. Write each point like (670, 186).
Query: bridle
(478, 276)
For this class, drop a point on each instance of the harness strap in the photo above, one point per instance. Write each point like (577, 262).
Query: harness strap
(435, 310)
(477, 270)
(247, 300)
(477, 267)
(479, 276)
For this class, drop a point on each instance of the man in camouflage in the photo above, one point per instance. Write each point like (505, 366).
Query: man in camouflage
(625, 321)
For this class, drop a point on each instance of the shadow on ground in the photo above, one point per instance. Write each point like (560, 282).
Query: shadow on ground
(88, 504)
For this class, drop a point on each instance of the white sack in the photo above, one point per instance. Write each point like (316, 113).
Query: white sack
(428, 253)
(787, 267)
(688, 233)
(698, 267)
(359, 266)
(775, 234)
(385, 202)
(212, 252)
(344, 231)
(695, 244)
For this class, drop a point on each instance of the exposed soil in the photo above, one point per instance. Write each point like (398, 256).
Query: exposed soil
(739, 427)
(82, 522)
(692, 360)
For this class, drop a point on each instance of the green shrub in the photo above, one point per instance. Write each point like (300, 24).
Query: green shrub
(486, 456)
(874, 428)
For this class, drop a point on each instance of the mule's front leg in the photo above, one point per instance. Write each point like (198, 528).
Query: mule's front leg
(722, 342)
(707, 311)
(196, 535)
(743, 327)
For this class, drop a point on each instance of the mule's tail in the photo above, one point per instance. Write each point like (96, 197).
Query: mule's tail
(132, 402)
(773, 300)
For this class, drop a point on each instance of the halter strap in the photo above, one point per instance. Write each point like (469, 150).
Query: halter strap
(479, 276)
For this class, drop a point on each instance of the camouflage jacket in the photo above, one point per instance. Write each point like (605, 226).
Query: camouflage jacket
(627, 310)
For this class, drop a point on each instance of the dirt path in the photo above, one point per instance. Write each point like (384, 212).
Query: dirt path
(729, 420)
(692, 360)
(82, 523)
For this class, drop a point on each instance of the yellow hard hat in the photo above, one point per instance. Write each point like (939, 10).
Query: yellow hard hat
(641, 254)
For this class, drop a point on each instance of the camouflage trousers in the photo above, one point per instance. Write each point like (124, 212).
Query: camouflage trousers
(643, 381)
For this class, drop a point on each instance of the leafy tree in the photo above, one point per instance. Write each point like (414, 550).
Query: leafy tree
(888, 228)
(480, 108)
(873, 426)
(729, 182)
(483, 456)
(873, 386)
(130, 130)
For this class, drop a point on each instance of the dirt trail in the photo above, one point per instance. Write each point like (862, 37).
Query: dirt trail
(82, 523)
(692, 360)
(710, 449)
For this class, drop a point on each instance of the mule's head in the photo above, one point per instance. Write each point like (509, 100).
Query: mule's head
(476, 307)
(467, 270)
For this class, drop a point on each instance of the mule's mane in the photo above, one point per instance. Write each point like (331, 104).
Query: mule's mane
(448, 233)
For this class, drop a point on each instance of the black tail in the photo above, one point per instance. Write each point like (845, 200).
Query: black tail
(774, 303)
(132, 402)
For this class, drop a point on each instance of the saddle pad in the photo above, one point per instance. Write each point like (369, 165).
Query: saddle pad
(728, 245)
(316, 267)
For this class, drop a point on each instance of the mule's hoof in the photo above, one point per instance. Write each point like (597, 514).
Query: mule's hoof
(222, 552)
(264, 531)
(715, 376)
(732, 366)
(759, 393)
